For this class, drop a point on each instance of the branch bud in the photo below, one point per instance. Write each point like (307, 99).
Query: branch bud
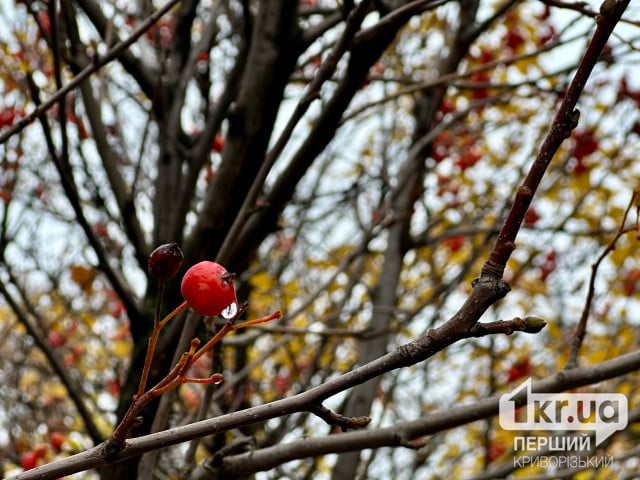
(534, 324)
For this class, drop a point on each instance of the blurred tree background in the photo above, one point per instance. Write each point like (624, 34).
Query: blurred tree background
(352, 163)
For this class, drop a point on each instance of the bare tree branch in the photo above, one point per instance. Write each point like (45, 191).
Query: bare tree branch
(566, 119)
(397, 435)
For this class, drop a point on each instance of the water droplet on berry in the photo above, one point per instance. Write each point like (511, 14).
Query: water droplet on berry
(230, 311)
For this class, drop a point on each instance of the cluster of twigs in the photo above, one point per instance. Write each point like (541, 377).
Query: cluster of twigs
(178, 374)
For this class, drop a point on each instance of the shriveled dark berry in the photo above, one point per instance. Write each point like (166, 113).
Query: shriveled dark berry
(165, 261)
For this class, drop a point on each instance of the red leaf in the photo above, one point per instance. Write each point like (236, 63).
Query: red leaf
(514, 39)
(454, 243)
(520, 369)
(548, 265)
(468, 159)
(586, 143)
(531, 217)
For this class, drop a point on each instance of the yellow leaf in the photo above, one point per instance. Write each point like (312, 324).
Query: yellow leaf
(83, 276)
(121, 349)
(262, 281)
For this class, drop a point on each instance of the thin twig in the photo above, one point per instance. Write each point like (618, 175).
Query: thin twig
(333, 418)
(581, 329)
(177, 376)
(153, 340)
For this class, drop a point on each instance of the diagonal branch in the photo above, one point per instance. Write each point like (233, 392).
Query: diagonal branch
(581, 329)
(403, 433)
(565, 121)
(97, 64)
(145, 78)
(398, 435)
(121, 192)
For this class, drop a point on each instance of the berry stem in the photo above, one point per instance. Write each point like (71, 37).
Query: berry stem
(155, 334)
(214, 378)
(230, 327)
(273, 316)
(226, 328)
(173, 313)
(153, 340)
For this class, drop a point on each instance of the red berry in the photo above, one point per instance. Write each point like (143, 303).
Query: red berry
(519, 369)
(208, 288)
(7, 117)
(217, 144)
(549, 264)
(165, 261)
(468, 159)
(56, 439)
(631, 281)
(586, 143)
(100, 230)
(514, 39)
(56, 339)
(40, 450)
(29, 460)
(5, 195)
(454, 243)
(282, 383)
(496, 449)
